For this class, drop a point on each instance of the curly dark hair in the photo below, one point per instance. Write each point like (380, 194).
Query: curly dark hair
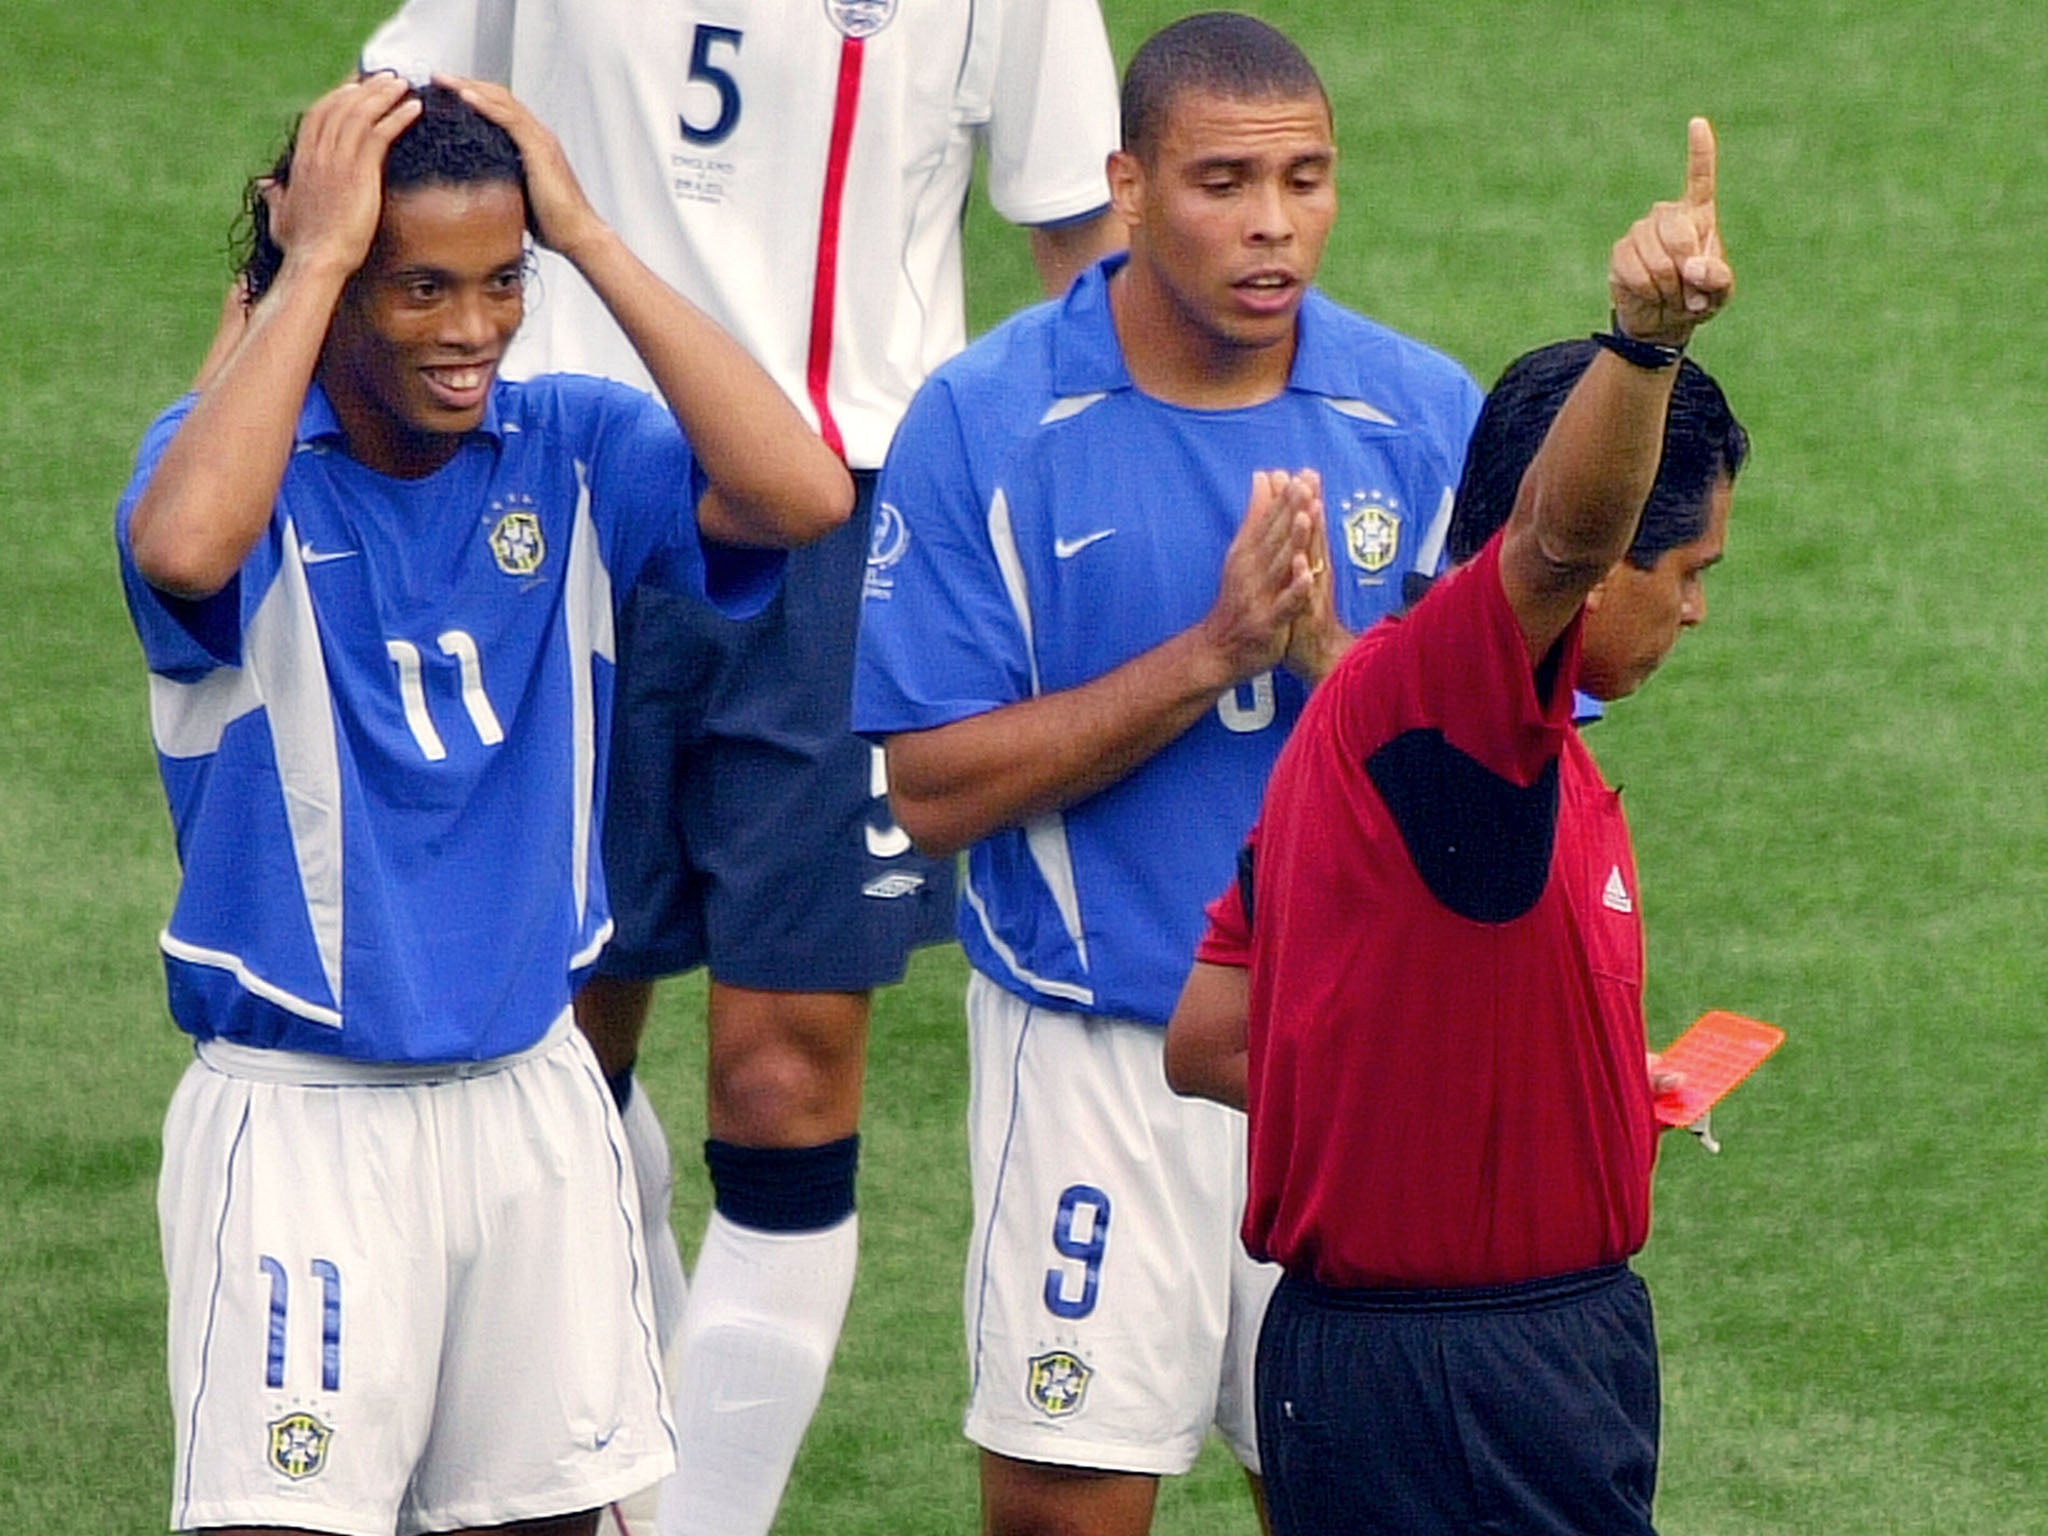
(449, 144)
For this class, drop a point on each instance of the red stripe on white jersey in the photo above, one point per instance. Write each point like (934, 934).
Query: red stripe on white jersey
(817, 374)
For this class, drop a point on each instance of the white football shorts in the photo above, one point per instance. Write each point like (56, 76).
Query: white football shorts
(405, 1299)
(1112, 1312)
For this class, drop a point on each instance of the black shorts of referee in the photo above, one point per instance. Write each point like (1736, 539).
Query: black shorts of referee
(1513, 1410)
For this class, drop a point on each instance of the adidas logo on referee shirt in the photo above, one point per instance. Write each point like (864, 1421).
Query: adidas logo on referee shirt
(1615, 897)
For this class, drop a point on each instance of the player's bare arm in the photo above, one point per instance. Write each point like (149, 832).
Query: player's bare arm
(773, 481)
(1207, 1053)
(953, 785)
(1578, 505)
(228, 331)
(1060, 251)
(211, 497)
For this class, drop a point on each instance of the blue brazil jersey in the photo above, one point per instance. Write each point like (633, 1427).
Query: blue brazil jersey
(384, 741)
(1040, 521)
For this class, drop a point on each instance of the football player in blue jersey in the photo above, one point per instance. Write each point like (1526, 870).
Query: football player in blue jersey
(1101, 584)
(375, 586)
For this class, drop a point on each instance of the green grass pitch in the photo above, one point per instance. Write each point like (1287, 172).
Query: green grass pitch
(1837, 784)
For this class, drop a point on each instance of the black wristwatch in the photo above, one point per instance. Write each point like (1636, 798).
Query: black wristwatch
(1633, 349)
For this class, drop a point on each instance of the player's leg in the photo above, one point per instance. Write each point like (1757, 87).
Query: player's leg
(777, 1264)
(612, 1013)
(278, 1255)
(584, 1524)
(1027, 1498)
(811, 898)
(1251, 1290)
(550, 1401)
(1098, 1286)
(667, 665)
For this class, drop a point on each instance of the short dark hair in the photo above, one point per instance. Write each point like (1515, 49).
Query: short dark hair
(1220, 53)
(1702, 442)
(449, 144)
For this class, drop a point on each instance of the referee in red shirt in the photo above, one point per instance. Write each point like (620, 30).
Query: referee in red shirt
(1426, 985)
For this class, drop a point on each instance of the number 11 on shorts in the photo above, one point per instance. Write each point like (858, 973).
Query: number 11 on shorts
(329, 1276)
(1080, 1234)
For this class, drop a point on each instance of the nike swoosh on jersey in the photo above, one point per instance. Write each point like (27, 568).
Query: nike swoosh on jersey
(1066, 549)
(308, 555)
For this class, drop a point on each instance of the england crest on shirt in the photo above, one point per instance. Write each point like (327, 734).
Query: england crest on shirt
(860, 18)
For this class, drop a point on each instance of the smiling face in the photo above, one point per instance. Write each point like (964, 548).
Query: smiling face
(1228, 215)
(1634, 617)
(416, 340)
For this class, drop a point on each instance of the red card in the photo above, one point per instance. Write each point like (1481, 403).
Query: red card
(1719, 1051)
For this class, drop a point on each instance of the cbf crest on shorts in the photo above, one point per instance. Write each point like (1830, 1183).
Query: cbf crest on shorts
(1372, 531)
(860, 18)
(1058, 1382)
(298, 1446)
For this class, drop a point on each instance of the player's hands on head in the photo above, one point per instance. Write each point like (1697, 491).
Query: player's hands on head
(1669, 274)
(1268, 573)
(563, 219)
(327, 213)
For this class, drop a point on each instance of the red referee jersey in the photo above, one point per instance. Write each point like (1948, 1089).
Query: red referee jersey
(1447, 1052)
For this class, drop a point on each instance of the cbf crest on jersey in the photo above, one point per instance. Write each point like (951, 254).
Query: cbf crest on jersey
(298, 1446)
(860, 18)
(1372, 530)
(1058, 1382)
(516, 542)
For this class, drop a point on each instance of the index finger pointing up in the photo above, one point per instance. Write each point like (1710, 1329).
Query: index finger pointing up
(1699, 163)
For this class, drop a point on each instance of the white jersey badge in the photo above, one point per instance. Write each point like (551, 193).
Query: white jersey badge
(860, 18)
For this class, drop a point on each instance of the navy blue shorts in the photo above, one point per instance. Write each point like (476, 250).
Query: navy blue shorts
(743, 828)
(1529, 1409)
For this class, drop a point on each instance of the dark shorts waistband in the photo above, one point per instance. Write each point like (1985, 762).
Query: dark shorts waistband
(1547, 1291)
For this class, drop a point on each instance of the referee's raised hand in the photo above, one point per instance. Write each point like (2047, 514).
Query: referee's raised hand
(1669, 274)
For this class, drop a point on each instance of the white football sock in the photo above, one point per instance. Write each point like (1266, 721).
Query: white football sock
(655, 1173)
(759, 1332)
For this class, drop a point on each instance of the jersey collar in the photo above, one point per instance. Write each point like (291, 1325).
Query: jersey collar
(317, 420)
(1087, 359)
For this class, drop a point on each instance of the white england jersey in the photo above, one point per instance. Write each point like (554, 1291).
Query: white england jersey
(796, 167)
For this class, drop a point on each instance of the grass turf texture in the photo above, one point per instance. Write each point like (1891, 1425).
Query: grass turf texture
(1835, 785)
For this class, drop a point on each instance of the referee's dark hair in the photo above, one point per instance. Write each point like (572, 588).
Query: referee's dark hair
(1702, 442)
(449, 144)
(1218, 53)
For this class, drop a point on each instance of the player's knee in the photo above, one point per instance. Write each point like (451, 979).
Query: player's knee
(783, 1189)
(781, 1096)
(789, 1078)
